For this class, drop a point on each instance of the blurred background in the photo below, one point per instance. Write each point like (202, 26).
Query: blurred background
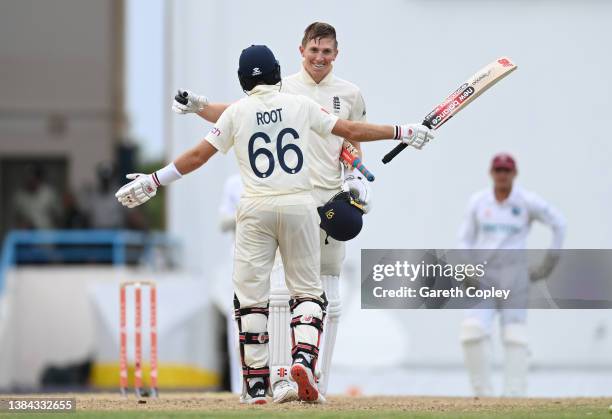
(86, 98)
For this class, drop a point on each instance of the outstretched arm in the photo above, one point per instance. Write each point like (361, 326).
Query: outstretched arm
(195, 158)
(186, 102)
(416, 135)
(144, 186)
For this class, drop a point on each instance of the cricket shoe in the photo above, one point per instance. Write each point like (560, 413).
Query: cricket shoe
(255, 392)
(307, 385)
(283, 392)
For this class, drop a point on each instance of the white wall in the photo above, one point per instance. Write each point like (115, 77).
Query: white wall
(406, 56)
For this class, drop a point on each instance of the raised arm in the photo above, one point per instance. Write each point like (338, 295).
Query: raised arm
(415, 135)
(186, 102)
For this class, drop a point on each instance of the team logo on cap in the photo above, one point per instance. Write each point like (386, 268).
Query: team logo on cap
(256, 72)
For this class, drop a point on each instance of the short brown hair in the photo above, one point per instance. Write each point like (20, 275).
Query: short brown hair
(318, 30)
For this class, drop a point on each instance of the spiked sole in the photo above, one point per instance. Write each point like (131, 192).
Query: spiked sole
(306, 390)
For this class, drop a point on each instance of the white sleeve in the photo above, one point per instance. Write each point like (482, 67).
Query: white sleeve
(321, 121)
(221, 136)
(549, 215)
(358, 111)
(469, 227)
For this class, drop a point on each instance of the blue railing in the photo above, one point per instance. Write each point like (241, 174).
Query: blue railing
(80, 246)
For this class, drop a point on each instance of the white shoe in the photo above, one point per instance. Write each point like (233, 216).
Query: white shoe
(307, 386)
(284, 392)
(255, 393)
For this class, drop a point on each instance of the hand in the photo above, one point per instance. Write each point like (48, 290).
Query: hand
(545, 268)
(360, 189)
(188, 102)
(138, 191)
(416, 135)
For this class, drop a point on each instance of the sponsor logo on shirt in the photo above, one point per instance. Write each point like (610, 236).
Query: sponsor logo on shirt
(516, 211)
(500, 228)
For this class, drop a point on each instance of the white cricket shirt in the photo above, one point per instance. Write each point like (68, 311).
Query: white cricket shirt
(340, 98)
(490, 224)
(271, 134)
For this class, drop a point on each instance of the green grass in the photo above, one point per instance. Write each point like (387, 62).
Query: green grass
(581, 412)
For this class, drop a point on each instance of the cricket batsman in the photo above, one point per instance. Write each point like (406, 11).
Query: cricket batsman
(500, 218)
(319, 49)
(271, 135)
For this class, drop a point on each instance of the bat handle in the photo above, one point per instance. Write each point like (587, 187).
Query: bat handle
(391, 154)
(400, 147)
(362, 169)
(181, 97)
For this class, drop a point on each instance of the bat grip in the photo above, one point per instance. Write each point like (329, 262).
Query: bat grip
(400, 147)
(362, 169)
(181, 97)
(391, 154)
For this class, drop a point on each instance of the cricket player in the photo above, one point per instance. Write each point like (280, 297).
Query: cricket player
(319, 49)
(232, 191)
(500, 218)
(270, 132)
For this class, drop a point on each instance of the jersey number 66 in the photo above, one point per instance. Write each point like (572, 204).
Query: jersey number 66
(280, 151)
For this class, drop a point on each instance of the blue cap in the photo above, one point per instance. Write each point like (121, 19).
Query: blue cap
(255, 61)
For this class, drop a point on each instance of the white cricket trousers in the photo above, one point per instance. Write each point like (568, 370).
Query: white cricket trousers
(263, 224)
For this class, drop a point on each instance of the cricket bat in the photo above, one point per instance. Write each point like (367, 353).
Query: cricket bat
(349, 156)
(463, 96)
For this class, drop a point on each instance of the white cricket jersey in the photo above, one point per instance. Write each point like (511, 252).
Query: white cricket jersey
(490, 224)
(340, 98)
(271, 134)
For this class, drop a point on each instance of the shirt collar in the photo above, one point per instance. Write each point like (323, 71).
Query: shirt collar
(308, 80)
(263, 89)
(506, 201)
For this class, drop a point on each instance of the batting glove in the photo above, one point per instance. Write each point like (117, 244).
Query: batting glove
(138, 191)
(360, 189)
(415, 135)
(188, 102)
